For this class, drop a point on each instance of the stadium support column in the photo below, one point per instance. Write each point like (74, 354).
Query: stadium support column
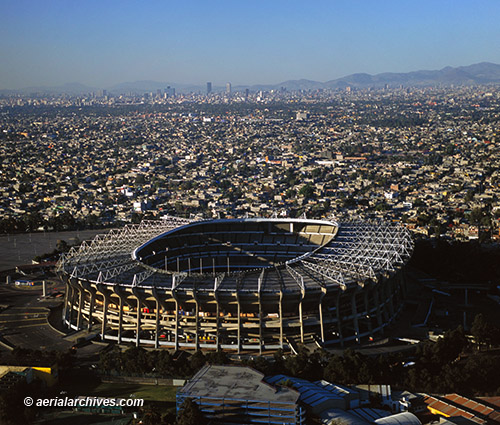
(383, 301)
(389, 296)
(91, 310)
(354, 311)
(176, 337)
(217, 325)
(239, 320)
(376, 296)
(176, 328)
(259, 289)
(466, 302)
(104, 315)
(117, 291)
(176, 299)
(73, 285)
(339, 317)
(196, 320)
(367, 312)
(217, 314)
(392, 292)
(158, 305)
(301, 316)
(403, 283)
(281, 318)
(321, 323)
(138, 329)
(74, 300)
(120, 320)
(67, 303)
(157, 323)
(261, 313)
(80, 306)
(86, 287)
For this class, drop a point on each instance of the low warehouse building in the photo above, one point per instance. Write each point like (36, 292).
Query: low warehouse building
(236, 394)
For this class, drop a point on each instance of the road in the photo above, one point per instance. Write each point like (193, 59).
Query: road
(23, 320)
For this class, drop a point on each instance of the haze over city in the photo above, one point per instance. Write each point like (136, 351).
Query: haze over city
(105, 43)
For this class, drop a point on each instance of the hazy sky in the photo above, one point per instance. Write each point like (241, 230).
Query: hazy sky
(104, 42)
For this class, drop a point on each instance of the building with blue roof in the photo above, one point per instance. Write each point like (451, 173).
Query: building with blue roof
(319, 395)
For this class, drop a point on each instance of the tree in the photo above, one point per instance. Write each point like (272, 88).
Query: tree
(140, 180)
(197, 361)
(218, 358)
(151, 417)
(469, 196)
(307, 191)
(62, 245)
(33, 221)
(67, 220)
(482, 330)
(165, 363)
(190, 414)
(135, 360)
(476, 215)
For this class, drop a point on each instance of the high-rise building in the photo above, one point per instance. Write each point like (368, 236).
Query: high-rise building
(228, 88)
(209, 87)
(302, 115)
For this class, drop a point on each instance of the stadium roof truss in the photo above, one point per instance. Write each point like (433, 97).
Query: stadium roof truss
(359, 251)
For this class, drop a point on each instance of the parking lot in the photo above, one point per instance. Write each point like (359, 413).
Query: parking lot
(23, 320)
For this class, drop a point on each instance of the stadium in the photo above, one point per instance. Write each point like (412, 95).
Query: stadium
(253, 284)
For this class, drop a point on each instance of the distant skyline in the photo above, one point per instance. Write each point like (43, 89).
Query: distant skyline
(103, 43)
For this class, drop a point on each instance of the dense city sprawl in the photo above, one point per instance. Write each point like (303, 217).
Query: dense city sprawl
(426, 157)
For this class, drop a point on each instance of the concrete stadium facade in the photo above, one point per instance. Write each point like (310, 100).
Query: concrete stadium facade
(237, 284)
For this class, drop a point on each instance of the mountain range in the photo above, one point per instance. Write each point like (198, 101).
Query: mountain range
(480, 73)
